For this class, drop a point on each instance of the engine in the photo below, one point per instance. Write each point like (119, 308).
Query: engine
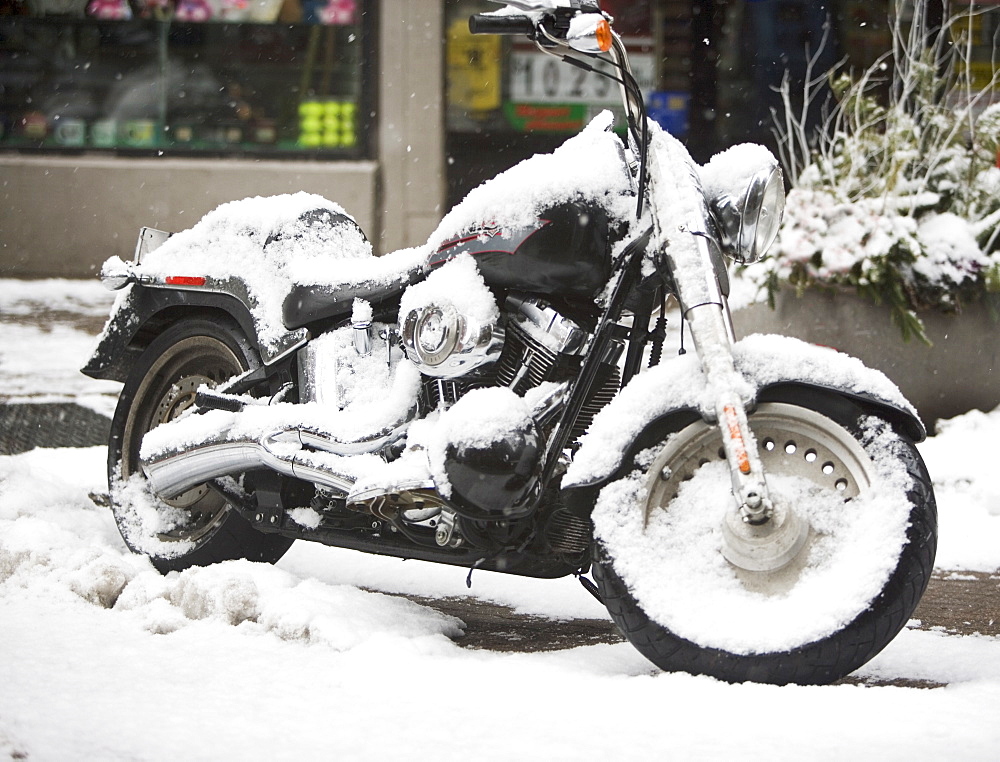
(531, 344)
(527, 346)
(544, 346)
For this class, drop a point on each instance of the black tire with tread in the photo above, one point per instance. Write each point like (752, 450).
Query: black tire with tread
(823, 661)
(231, 536)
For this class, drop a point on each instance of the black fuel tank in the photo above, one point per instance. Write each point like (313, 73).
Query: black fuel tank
(566, 252)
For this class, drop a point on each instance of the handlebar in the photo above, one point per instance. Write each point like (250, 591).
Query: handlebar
(487, 23)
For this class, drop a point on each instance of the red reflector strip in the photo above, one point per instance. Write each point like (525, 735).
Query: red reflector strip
(185, 280)
(736, 437)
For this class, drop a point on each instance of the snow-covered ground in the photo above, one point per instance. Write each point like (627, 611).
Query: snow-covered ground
(103, 658)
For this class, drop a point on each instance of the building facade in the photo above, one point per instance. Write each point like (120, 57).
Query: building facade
(120, 113)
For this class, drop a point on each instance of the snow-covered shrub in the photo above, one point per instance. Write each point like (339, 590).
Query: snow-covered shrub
(898, 194)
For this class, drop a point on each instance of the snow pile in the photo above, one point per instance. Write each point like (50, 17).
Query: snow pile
(268, 600)
(485, 416)
(457, 284)
(62, 316)
(56, 544)
(673, 562)
(361, 313)
(92, 632)
(961, 461)
(271, 232)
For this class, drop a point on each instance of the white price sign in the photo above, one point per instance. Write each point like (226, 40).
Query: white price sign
(538, 78)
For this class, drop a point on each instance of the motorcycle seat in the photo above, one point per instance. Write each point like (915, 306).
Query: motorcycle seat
(375, 279)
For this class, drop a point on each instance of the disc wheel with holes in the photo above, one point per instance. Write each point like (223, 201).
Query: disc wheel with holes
(832, 447)
(203, 528)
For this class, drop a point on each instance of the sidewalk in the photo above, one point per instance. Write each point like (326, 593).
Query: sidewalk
(47, 330)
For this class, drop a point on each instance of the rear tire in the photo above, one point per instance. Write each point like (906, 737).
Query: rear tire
(161, 385)
(830, 657)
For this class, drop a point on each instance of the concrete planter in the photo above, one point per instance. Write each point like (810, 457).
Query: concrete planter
(958, 373)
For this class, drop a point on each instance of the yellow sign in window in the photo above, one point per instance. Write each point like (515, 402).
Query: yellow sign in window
(474, 72)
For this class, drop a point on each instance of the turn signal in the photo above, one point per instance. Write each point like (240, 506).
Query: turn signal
(603, 34)
(185, 280)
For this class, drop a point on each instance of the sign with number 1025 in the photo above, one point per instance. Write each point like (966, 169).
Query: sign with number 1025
(539, 78)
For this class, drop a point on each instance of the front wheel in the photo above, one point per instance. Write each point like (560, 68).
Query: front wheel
(868, 555)
(198, 527)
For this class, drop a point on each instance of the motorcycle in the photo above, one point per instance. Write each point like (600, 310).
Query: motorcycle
(498, 398)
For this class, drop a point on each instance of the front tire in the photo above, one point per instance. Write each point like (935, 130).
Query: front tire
(831, 448)
(198, 527)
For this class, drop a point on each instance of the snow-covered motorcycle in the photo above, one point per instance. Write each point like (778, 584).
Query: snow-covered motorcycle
(497, 398)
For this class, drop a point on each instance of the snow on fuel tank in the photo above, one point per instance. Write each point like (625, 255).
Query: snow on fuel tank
(547, 225)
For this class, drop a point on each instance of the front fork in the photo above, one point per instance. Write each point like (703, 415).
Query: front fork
(706, 310)
(757, 536)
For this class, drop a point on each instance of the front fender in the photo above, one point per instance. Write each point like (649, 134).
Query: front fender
(675, 393)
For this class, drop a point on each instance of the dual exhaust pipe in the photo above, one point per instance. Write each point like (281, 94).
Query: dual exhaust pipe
(172, 472)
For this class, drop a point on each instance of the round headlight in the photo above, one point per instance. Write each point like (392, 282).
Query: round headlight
(764, 206)
(748, 216)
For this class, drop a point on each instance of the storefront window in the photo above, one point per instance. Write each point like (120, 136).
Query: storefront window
(507, 84)
(260, 77)
(507, 100)
(980, 26)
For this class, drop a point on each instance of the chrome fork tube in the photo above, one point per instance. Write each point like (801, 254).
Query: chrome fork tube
(686, 248)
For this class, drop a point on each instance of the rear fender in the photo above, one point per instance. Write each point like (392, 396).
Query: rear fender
(143, 311)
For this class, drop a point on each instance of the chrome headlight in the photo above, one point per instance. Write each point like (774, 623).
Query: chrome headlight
(443, 344)
(749, 220)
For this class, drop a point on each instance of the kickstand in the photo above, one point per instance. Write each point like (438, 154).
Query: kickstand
(476, 565)
(590, 587)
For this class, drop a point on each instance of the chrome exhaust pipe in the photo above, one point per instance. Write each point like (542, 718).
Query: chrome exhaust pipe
(173, 472)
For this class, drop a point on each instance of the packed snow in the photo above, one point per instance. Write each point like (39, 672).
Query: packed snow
(319, 656)
(673, 563)
(62, 316)
(271, 244)
(590, 166)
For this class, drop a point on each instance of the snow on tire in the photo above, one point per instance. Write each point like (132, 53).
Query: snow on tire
(199, 527)
(865, 493)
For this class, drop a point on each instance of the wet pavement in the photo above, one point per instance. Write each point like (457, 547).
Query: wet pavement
(25, 426)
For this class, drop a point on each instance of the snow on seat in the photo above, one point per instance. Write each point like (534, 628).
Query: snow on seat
(301, 257)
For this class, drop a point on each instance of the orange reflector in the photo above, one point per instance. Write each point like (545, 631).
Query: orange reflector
(603, 35)
(736, 437)
(185, 280)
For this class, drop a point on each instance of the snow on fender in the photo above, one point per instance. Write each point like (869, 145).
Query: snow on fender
(763, 360)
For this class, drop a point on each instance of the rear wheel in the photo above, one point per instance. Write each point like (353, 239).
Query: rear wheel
(842, 597)
(197, 527)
